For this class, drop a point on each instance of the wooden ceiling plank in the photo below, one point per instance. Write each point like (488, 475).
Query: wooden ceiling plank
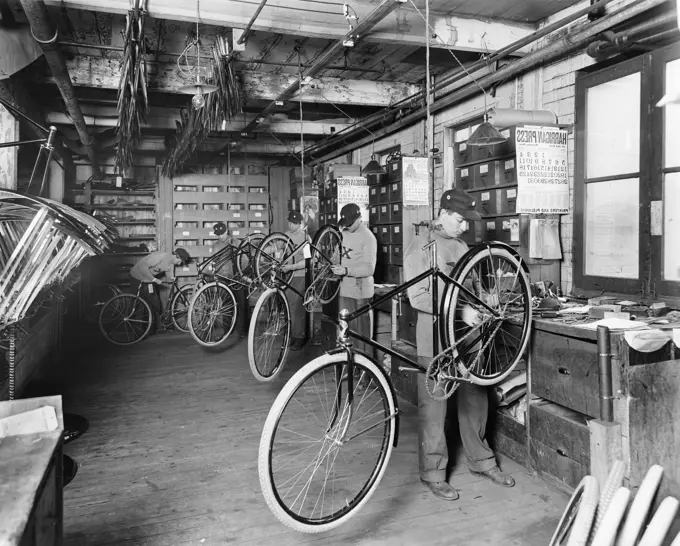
(405, 26)
(102, 73)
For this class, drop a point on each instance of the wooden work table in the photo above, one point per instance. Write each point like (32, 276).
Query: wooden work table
(31, 508)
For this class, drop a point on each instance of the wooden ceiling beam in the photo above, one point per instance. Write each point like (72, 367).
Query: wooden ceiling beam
(164, 118)
(302, 18)
(103, 73)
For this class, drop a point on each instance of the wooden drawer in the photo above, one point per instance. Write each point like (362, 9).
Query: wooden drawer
(565, 371)
(376, 232)
(560, 442)
(485, 175)
(395, 192)
(508, 201)
(507, 436)
(395, 212)
(487, 202)
(384, 193)
(396, 255)
(374, 214)
(384, 233)
(373, 194)
(461, 153)
(394, 170)
(489, 230)
(504, 229)
(507, 171)
(464, 178)
(396, 234)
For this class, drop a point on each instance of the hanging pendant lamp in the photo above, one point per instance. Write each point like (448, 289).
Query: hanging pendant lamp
(486, 134)
(373, 167)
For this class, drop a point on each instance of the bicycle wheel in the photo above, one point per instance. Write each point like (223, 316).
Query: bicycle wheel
(268, 335)
(179, 307)
(326, 252)
(639, 508)
(271, 253)
(97, 297)
(661, 523)
(245, 255)
(212, 314)
(125, 319)
(578, 515)
(609, 528)
(488, 345)
(315, 475)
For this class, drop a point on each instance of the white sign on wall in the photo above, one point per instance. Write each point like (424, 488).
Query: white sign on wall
(353, 189)
(542, 170)
(415, 180)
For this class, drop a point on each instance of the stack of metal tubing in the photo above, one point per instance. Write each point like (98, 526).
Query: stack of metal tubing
(41, 242)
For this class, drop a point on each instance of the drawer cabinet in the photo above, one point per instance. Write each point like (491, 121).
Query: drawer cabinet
(487, 202)
(464, 178)
(485, 175)
(560, 442)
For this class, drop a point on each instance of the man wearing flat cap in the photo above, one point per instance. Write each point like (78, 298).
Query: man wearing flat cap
(298, 235)
(456, 210)
(359, 256)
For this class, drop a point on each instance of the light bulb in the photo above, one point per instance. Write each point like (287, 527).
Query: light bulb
(198, 101)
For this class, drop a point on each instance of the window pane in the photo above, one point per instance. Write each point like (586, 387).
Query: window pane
(672, 117)
(612, 228)
(613, 127)
(671, 227)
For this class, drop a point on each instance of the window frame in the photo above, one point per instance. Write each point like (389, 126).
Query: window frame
(650, 282)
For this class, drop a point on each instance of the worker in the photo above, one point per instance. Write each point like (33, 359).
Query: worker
(457, 209)
(147, 272)
(298, 235)
(359, 255)
(226, 269)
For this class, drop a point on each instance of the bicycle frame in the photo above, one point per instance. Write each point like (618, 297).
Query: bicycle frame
(345, 333)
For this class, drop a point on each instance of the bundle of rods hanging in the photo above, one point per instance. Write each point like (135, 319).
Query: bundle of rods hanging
(41, 242)
(133, 102)
(196, 125)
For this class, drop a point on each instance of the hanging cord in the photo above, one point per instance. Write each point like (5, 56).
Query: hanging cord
(428, 98)
(302, 134)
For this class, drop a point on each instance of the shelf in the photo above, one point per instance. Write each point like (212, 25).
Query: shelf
(151, 193)
(489, 188)
(122, 207)
(136, 223)
(487, 160)
(115, 254)
(149, 237)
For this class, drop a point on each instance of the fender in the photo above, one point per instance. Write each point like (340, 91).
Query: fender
(392, 392)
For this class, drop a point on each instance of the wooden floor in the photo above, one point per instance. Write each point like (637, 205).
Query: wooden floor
(170, 459)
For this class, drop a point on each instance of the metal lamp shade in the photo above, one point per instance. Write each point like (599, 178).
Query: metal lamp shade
(373, 167)
(486, 135)
(198, 89)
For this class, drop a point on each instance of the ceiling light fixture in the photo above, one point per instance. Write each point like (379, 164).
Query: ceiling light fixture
(486, 134)
(200, 88)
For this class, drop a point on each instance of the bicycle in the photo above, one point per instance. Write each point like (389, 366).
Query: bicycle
(126, 319)
(320, 419)
(213, 310)
(269, 331)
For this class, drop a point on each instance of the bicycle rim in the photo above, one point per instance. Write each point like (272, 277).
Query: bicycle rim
(491, 349)
(212, 314)
(312, 477)
(271, 253)
(326, 252)
(179, 308)
(125, 319)
(245, 255)
(268, 335)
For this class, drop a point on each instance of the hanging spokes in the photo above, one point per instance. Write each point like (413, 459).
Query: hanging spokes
(271, 254)
(326, 252)
(489, 318)
(325, 453)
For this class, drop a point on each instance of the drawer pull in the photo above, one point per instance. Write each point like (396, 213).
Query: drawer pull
(412, 324)
(561, 452)
(563, 371)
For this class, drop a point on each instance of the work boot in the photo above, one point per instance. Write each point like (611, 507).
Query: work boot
(442, 490)
(496, 476)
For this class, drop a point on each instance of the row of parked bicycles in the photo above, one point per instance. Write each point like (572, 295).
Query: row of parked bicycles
(208, 308)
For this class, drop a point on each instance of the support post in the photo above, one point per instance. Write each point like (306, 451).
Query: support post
(605, 448)
(9, 132)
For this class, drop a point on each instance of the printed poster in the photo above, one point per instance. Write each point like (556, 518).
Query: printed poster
(415, 181)
(353, 189)
(542, 170)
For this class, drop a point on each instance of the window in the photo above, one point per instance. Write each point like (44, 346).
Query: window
(627, 179)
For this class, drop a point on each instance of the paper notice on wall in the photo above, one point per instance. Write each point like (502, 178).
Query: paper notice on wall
(416, 181)
(544, 239)
(542, 170)
(353, 189)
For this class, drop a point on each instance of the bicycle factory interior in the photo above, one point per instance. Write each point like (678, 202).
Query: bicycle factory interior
(372, 272)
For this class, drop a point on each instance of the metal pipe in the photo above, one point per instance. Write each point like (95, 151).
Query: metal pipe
(478, 65)
(246, 31)
(555, 50)
(604, 358)
(46, 35)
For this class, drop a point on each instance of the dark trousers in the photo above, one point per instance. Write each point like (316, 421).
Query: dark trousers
(297, 309)
(149, 291)
(472, 403)
(243, 309)
(361, 325)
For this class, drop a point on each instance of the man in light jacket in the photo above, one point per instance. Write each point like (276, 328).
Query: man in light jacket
(359, 255)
